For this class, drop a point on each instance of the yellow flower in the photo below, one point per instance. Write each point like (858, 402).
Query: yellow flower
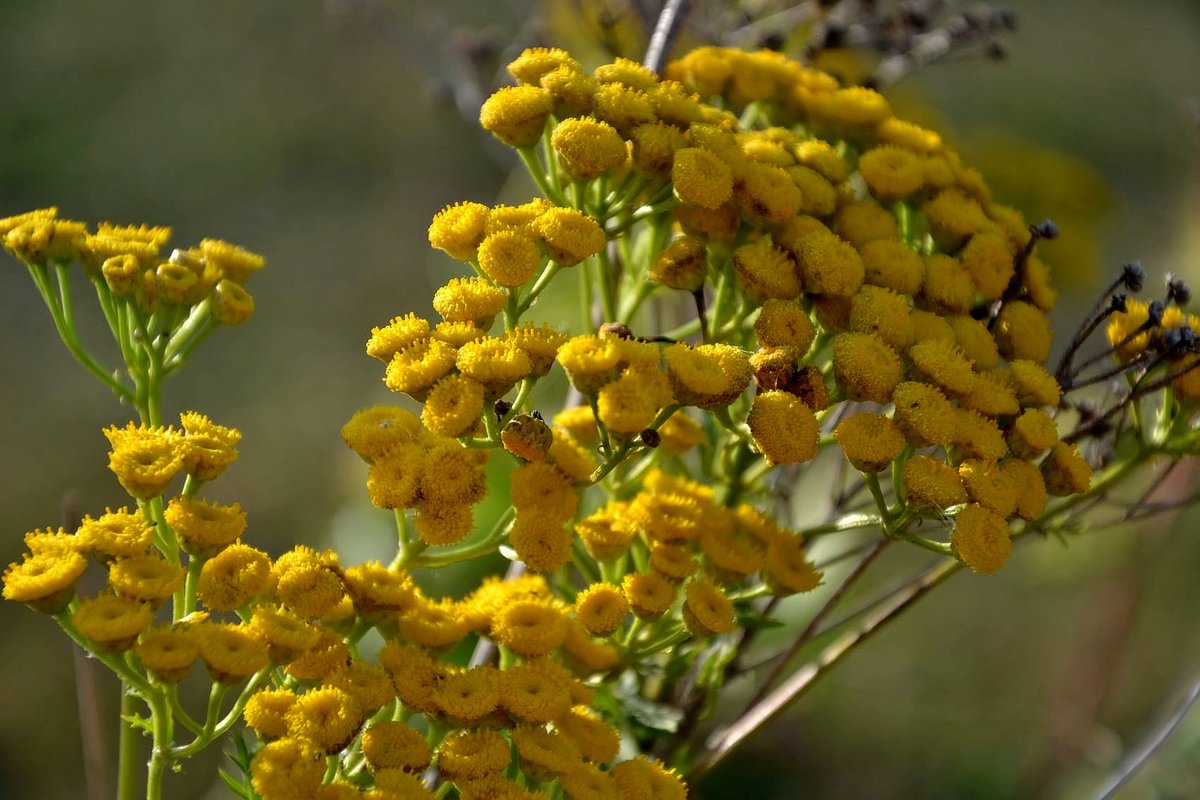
(629, 404)
(1033, 433)
(980, 539)
(572, 89)
(587, 656)
(944, 364)
(701, 178)
(535, 62)
(376, 431)
(606, 532)
(568, 235)
(988, 257)
(111, 621)
(952, 217)
(671, 561)
(785, 430)
(622, 107)
(575, 460)
(432, 625)
(231, 304)
(538, 487)
(783, 323)
(469, 300)
(205, 528)
(891, 264)
(495, 363)
(394, 745)
(829, 265)
(681, 433)
(928, 326)
(765, 193)
(232, 653)
(415, 674)
(1023, 333)
(541, 541)
(144, 459)
(116, 534)
(325, 718)
(540, 344)
(394, 481)
(234, 263)
(1031, 488)
(601, 608)
(978, 436)
(870, 441)
(468, 695)
(1123, 325)
(518, 218)
(590, 362)
(643, 779)
(416, 368)
(149, 578)
(286, 769)
(516, 115)
(1065, 471)
(787, 571)
(579, 423)
(443, 523)
(473, 754)
(1035, 386)
(989, 485)
(544, 753)
(706, 609)
(458, 229)
(234, 577)
(453, 406)
(44, 581)
(286, 635)
(39, 238)
(992, 395)
(932, 485)
(884, 313)
(374, 587)
(905, 134)
(49, 542)
(588, 148)
(817, 195)
(168, 653)
(456, 334)
(596, 741)
(327, 658)
(976, 341)
(210, 448)
(308, 582)
(654, 145)
(530, 627)
(535, 692)
(823, 157)
(509, 257)
(947, 288)
(865, 367)
(707, 376)
(266, 712)
(855, 107)
(397, 335)
(495, 593)
(924, 414)
(891, 173)
(630, 73)
(650, 594)
(765, 273)
(681, 264)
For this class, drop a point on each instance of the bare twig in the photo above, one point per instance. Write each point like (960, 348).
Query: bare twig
(670, 20)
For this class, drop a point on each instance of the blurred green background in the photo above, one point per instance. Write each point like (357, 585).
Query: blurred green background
(324, 135)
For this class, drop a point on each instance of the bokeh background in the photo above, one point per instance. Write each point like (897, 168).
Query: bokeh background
(326, 134)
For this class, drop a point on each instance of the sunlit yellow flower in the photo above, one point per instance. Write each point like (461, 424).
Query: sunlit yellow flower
(568, 235)
(443, 523)
(701, 178)
(534, 62)
(112, 621)
(952, 217)
(989, 485)
(786, 570)
(327, 658)
(978, 436)
(432, 625)
(148, 578)
(706, 609)
(415, 674)
(863, 222)
(50, 541)
(765, 193)
(1035, 386)
(891, 264)
(469, 300)
(473, 754)
(650, 595)
(923, 413)
(468, 695)
(394, 481)
(266, 712)
(764, 272)
(307, 581)
(327, 718)
(988, 257)
(606, 532)
(509, 257)
(643, 779)
(286, 635)
(891, 173)
(588, 148)
(932, 485)
(944, 363)
(416, 368)
(234, 577)
(544, 753)
(516, 218)
(629, 404)
(530, 627)
(376, 431)
(497, 364)
(870, 441)
(829, 265)
(536, 692)
(398, 334)
(980, 539)
(453, 406)
(516, 114)
(623, 107)
(1065, 471)
(205, 528)
(654, 145)
(231, 304)
(905, 134)
(115, 534)
(1030, 486)
(785, 430)
(456, 334)
(601, 608)
(928, 326)
(1032, 433)
(144, 459)
(596, 741)
(540, 540)
(947, 288)
(884, 313)
(707, 376)
(394, 745)
(234, 262)
(232, 653)
(681, 264)
(1023, 333)
(210, 448)
(286, 769)
(865, 367)
(458, 229)
(45, 581)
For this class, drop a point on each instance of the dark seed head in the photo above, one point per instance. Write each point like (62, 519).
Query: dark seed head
(1133, 275)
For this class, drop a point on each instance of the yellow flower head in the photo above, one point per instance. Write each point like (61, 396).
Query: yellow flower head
(1122, 327)
(540, 344)
(148, 578)
(367, 683)
(205, 528)
(1031, 487)
(989, 485)
(675, 105)
(629, 404)
(817, 195)
(535, 62)
(701, 178)
(1023, 333)
(497, 364)
(855, 108)
(654, 145)
(232, 653)
(416, 368)
(541, 541)
(286, 635)
(516, 115)
(415, 674)
(287, 768)
(469, 300)
(924, 414)
(51, 541)
(234, 577)
(988, 258)
(884, 313)
(572, 89)
(468, 695)
(623, 107)
(784, 429)
(175, 284)
(530, 627)
(672, 561)
(590, 362)
(650, 594)
(588, 148)
(442, 523)
(782, 323)
(1065, 471)
(587, 656)
(528, 437)
(374, 587)
(234, 263)
(601, 608)
(231, 304)
(509, 257)
(978, 436)
(327, 658)
(39, 238)
(144, 459)
(1032, 433)
(890, 263)
(907, 135)
(627, 72)
(568, 235)
(376, 431)
(1035, 386)
(115, 534)
(947, 288)
(607, 532)
(113, 622)
(865, 367)
(706, 609)
(976, 341)
(681, 433)
(596, 741)
(544, 753)
(870, 441)
(395, 745)
(536, 692)
(681, 264)
(473, 754)
(210, 448)
(518, 218)
(932, 485)
(765, 273)
(980, 539)
(266, 712)
(394, 480)
(952, 217)
(787, 571)
(453, 406)
(456, 334)
(766, 193)
(891, 173)
(944, 363)
(308, 582)
(45, 581)
(540, 488)
(829, 265)
(123, 274)
(709, 375)
(325, 718)
(822, 157)
(458, 229)
(863, 222)
(643, 779)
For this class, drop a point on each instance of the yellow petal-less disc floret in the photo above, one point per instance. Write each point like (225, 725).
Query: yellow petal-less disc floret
(535, 62)
(458, 229)
(786, 570)
(588, 148)
(947, 288)
(765, 273)
(590, 362)
(681, 264)
(1065, 471)
(111, 621)
(891, 173)
(642, 779)
(980, 539)
(326, 718)
(988, 257)
(829, 265)
(285, 769)
(989, 485)
(232, 653)
(516, 115)
(540, 343)
(944, 363)
(569, 236)
(168, 653)
(865, 367)
(233, 577)
(601, 608)
(884, 313)
(606, 532)
(784, 324)
(209, 448)
(469, 300)
(1023, 333)
(1034, 385)
(706, 609)
(473, 754)
(395, 745)
(784, 429)
(509, 257)
(978, 436)
(145, 459)
(530, 627)
(1032, 434)
(709, 375)
(933, 486)
(45, 581)
(650, 594)
(870, 441)
(453, 406)
(923, 413)
(148, 578)
(205, 528)
(597, 741)
(542, 542)
(622, 106)
(701, 178)
(893, 265)
(415, 370)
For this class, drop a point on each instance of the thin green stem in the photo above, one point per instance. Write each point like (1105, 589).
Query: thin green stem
(533, 164)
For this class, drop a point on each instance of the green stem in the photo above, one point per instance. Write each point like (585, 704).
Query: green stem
(195, 564)
(536, 171)
(127, 748)
(543, 280)
(442, 556)
(163, 729)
